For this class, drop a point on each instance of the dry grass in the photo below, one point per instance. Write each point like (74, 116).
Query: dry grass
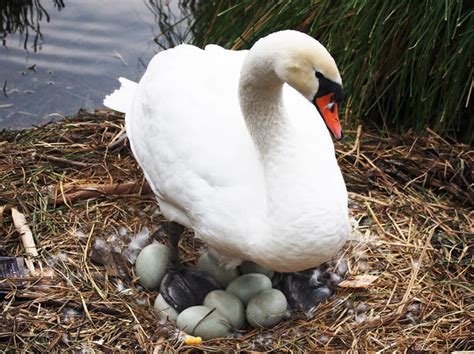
(411, 196)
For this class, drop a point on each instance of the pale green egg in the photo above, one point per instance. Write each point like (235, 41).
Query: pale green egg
(252, 267)
(248, 285)
(267, 308)
(228, 305)
(151, 265)
(163, 310)
(209, 264)
(204, 322)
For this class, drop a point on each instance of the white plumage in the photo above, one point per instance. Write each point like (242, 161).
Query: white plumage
(249, 166)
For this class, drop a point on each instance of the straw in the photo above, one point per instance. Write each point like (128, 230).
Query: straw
(411, 197)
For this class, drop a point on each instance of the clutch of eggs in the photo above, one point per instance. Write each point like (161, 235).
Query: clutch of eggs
(247, 298)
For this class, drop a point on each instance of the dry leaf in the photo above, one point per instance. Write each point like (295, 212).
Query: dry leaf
(359, 281)
(73, 193)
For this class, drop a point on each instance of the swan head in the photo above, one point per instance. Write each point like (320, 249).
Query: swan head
(306, 65)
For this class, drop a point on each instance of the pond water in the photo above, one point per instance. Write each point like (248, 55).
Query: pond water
(58, 56)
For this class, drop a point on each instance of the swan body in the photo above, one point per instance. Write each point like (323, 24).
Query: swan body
(234, 149)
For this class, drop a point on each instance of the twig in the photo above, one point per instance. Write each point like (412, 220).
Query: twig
(84, 261)
(414, 274)
(64, 161)
(118, 140)
(355, 148)
(2, 209)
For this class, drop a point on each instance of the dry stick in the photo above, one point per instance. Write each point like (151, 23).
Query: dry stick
(61, 188)
(27, 240)
(414, 274)
(355, 147)
(137, 321)
(84, 260)
(432, 132)
(353, 195)
(64, 161)
(374, 217)
(86, 310)
(382, 174)
(2, 209)
(395, 225)
(117, 140)
(24, 230)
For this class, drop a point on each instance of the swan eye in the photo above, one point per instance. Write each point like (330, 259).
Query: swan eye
(331, 104)
(331, 107)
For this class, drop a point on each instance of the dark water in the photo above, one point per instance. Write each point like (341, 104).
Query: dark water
(50, 69)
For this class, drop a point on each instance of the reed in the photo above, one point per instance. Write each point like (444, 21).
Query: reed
(405, 64)
(24, 17)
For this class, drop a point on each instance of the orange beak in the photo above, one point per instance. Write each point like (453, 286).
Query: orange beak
(327, 107)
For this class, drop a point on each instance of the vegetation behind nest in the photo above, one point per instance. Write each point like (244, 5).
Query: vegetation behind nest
(405, 64)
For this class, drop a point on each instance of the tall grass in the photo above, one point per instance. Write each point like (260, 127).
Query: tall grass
(405, 64)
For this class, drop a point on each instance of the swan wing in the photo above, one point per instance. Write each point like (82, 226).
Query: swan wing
(187, 133)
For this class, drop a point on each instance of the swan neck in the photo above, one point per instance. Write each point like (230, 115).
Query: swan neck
(261, 101)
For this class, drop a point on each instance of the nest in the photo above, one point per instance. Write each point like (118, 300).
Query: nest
(75, 182)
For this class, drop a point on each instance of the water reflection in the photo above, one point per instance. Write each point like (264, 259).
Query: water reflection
(75, 52)
(23, 17)
(173, 21)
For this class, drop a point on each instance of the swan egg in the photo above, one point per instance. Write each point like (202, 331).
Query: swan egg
(151, 265)
(163, 310)
(248, 285)
(228, 305)
(209, 264)
(267, 308)
(251, 267)
(204, 322)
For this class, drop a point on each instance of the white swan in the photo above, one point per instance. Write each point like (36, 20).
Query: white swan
(233, 146)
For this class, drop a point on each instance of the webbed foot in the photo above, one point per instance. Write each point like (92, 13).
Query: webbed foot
(185, 287)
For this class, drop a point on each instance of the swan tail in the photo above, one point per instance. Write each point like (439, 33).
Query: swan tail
(120, 99)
